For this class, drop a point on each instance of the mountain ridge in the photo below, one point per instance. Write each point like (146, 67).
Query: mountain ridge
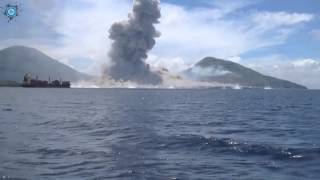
(212, 69)
(16, 61)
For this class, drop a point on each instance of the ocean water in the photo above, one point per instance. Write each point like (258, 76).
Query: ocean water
(159, 134)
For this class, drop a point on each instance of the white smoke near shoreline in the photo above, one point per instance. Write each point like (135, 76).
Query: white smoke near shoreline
(170, 81)
(209, 71)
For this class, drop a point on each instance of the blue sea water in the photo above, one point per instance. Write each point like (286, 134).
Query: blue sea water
(159, 134)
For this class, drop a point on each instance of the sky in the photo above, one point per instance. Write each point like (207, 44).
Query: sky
(277, 38)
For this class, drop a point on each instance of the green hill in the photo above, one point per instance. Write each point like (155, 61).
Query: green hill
(226, 72)
(16, 61)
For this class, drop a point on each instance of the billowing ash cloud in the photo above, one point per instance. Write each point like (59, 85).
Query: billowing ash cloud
(133, 39)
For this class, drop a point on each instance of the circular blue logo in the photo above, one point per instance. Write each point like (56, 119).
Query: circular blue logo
(11, 11)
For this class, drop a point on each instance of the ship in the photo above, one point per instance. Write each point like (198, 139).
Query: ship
(29, 82)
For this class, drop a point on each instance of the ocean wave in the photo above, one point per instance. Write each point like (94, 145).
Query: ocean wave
(228, 145)
(7, 109)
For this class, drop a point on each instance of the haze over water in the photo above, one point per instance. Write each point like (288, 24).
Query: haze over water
(159, 134)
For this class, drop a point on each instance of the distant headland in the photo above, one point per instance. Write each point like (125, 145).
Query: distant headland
(17, 62)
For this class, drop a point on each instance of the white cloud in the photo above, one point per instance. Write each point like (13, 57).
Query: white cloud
(236, 59)
(82, 25)
(301, 71)
(85, 30)
(196, 33)
(174, 65)
(188, 35)
(225, 7)
(273, 19)
(309, 63)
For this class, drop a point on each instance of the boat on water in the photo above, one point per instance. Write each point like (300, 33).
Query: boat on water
(28, 82)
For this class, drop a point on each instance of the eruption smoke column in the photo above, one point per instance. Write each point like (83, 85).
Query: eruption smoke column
(133, 39)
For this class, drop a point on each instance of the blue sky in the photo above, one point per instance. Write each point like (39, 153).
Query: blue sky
(278, 38)
(302, 44)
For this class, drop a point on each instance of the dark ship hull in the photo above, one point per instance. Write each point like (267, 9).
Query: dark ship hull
(45, 86)
(35, 83)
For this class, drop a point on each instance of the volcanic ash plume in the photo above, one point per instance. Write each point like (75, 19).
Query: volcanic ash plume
(133, 39)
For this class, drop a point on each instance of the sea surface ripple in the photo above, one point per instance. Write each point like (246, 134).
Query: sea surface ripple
(159, 134)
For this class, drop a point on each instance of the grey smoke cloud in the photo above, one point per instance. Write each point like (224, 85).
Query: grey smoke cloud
(132, 40)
